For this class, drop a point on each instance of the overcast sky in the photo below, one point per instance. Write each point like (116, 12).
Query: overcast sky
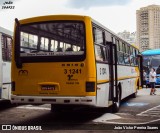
(117, 15)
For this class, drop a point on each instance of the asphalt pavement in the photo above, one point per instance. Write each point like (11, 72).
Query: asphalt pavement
(142, 110)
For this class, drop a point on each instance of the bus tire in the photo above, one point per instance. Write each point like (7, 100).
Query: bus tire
(116, 105)
(134, 95)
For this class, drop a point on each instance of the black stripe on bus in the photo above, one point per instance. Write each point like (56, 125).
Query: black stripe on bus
(6, 83)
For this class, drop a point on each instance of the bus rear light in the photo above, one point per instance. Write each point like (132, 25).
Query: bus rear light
(90, 86)
(13, 85)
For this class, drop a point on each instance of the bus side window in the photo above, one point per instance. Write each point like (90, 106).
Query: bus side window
(69, 49)
(94, 30)
(134, 56)
(136, 53)
(98, 36)
(120, 46)
(123, 48)
(54, 45)
(44, 43)
(99, 52)
(120, 57)
(99, 40)
(131, 56)
(9, 48)
(6, 48)
(120, 54)
(117, 43)
(126, 55)
(104, 38)
(105, 50)
(113, 40)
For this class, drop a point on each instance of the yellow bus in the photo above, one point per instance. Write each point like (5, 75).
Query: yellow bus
(68, 60)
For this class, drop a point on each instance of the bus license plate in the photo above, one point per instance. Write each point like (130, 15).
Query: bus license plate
(48, 88)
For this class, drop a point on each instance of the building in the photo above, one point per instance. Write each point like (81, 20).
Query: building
(148, 27)
(128, 36)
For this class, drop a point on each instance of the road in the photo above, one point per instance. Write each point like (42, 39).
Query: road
(137, 112)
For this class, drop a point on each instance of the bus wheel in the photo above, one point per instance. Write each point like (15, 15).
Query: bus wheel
(134, 95)
(116, 105)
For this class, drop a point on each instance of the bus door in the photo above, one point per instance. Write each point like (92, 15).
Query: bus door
(113, 85)
(140, 65)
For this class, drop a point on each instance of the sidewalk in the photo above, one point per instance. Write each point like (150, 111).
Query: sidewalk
(146, 91)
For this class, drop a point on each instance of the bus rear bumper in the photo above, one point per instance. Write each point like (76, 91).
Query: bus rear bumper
(87, 100)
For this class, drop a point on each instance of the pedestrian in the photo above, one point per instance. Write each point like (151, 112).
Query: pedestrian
(144, 78)
(152, 80)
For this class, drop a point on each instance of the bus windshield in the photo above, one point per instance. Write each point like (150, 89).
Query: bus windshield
(54, 39)
(151, 61)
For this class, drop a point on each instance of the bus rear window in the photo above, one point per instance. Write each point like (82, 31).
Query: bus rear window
(59, 38)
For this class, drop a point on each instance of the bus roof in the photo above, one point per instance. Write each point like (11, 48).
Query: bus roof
(151, 52)
(5, 31)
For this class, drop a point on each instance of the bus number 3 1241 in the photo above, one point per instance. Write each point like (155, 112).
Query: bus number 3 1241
(72, 71)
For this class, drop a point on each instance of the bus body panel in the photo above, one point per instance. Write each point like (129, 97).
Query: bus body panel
(102, 84)
(128, 79)
(5, 64)
(69, 78)
(67, 82)
(103, 95)
(6, 89)
(63, 100)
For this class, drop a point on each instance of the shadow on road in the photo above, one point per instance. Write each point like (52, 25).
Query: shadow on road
(5, 105)
(66, 119)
